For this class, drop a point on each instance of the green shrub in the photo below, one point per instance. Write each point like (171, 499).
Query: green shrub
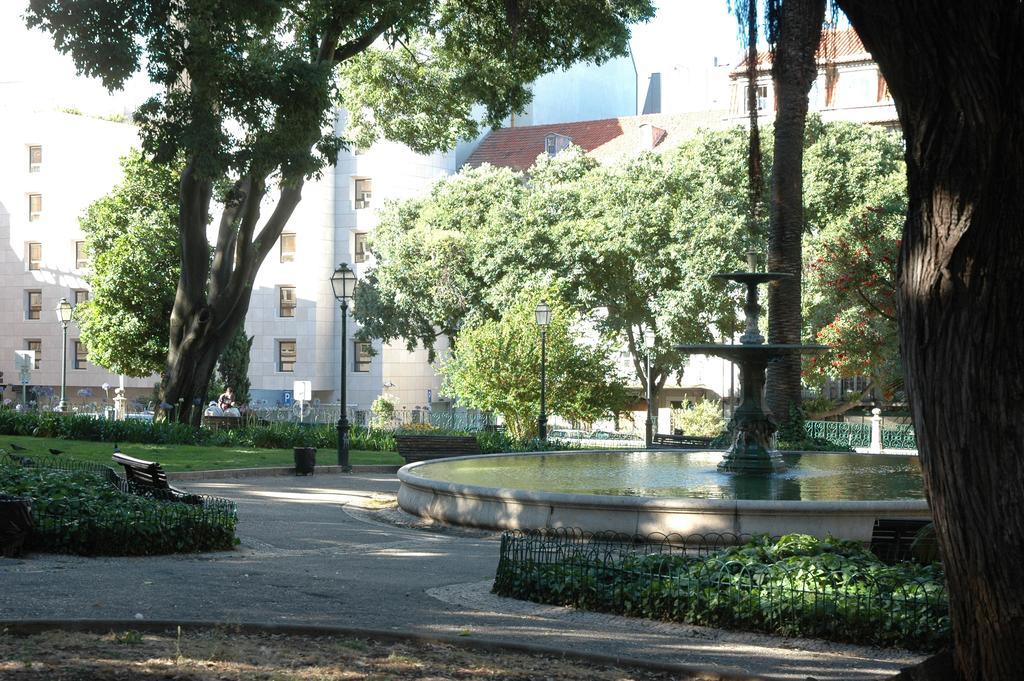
(270, 436)
(797, 585)
(83, 513)
(703, 419)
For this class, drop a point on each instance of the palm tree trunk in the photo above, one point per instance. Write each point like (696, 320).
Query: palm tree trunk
(794, 71)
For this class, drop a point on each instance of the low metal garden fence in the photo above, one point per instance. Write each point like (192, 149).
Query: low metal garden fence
(121, 518)
(696, 580)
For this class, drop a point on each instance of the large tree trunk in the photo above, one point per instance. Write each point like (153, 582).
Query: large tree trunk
(794, 71)
(213, 295)
(954, 69)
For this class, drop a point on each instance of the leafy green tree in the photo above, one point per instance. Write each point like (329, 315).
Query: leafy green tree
(856, 189)
(250, 92)
(135, 260)
(438, 258)
(233, 365)
(630, 247)
(496, 367)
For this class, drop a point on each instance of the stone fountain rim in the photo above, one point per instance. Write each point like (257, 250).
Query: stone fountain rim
(407, 476)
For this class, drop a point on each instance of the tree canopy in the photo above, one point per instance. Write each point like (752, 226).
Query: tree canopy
(496, 367)
(250, 93)
(630, 246)
(134, 263)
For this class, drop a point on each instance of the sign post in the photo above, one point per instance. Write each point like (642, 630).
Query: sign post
(302, 391)
(24, 362)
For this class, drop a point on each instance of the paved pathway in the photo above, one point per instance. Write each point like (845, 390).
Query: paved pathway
(315, 552)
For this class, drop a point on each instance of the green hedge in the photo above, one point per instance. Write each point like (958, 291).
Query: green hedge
(797, 585)
(81, 512)
(272, 436)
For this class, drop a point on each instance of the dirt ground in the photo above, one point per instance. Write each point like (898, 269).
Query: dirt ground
(223, 655)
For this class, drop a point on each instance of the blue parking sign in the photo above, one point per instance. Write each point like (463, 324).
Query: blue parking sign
(287, 398)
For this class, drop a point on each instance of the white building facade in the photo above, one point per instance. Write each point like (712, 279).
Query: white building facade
(294, 317)
(52, 166)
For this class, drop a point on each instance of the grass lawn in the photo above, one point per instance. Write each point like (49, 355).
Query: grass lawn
(187, 457)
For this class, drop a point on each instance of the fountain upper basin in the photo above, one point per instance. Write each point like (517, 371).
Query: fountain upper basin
(668, 492)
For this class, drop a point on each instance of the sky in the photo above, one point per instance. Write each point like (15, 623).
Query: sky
(684, 37)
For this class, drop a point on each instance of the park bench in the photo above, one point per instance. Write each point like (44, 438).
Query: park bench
(219, 422)
(426, 447)
(681, 441)
(892, 539)
(151, 477)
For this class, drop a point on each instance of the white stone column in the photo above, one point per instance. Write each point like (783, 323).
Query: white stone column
(876, 431)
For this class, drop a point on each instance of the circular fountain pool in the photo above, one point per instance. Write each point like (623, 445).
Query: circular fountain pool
(665, 491)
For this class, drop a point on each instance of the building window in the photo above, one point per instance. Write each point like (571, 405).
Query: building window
(35, 158)
(35, 346)
(361, 247)
(33, 304)
(831, 80)
(364, 192)
(81, 356)
(362, 357)
(80, 295)
(883, 89)
(81, 259)
(286, 356)
(35, 207)
(288, 247)
(35, 255)
(762, 98)
(286, 301)
(554, 143)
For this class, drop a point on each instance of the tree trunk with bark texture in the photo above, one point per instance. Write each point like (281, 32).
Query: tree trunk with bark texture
(794, 71)
(213, 295)
(955, 71)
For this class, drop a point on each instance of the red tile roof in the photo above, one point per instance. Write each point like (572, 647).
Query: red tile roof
(607, 140)
(519, 147)
(835, 46)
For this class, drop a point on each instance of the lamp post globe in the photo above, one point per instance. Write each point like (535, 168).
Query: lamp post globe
(64, 314)
(543, 316)
(343, 282)
(649, 342)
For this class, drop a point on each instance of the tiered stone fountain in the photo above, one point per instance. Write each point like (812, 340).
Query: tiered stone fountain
(751, 427)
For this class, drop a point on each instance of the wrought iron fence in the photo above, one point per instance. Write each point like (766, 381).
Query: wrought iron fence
(839, 432)
(157, 526)
(328, 414)
(901, 437)
(695, 581)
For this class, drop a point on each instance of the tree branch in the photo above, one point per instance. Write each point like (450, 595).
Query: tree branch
(353, 47)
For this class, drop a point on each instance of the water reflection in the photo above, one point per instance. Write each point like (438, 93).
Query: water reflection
(809, 477)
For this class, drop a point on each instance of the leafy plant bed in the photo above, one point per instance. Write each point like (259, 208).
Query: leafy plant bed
(283, 436)
(83, 512)
(796, 585)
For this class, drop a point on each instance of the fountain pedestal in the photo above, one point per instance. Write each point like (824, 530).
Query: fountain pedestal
(751, 427)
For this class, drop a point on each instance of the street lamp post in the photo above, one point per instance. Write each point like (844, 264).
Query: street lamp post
(543, 314)
(343, 281)
(649, 340)
(64, 313)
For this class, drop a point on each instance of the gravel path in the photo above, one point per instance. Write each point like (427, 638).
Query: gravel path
(320, 550)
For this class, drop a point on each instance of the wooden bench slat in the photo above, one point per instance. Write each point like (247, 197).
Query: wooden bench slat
(425, 447)
(681, 441)
(152, 475)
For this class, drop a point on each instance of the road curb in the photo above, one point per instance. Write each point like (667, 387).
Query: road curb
(102, 626)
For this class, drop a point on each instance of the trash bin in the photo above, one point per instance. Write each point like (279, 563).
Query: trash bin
(305, 460)
(15, 524)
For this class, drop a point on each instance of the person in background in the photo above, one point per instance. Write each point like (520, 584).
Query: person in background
(227, 398)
